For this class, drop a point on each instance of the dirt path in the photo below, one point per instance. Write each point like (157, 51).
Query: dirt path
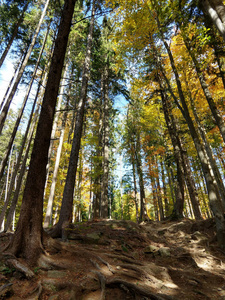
(117, 260)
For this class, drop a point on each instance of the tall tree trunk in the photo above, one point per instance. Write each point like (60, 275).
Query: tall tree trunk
(218, 118)
(179, 204)
(67, 201)
(16, 83)
(48, 215)
(6, 188)
(165, 196)
(143, 211)
(9, 44)
(216, 173)
(105, 145)
(159, 194)
(16, 71)
(215, 10)
(214, 198)
(56, 118)
(21, 174)
(28, 238)
(18, 163)
(135, 185)
(20, 114)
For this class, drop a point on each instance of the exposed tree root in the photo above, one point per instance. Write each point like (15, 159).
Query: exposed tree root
(125, 258)
(141, 272)
(21, 267)
(107, 264)
(102, 281)
(5, 289)
(36, 293)
(137, 289)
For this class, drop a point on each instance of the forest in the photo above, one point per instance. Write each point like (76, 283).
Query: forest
(114, 110)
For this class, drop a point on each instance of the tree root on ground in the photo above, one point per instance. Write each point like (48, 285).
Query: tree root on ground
(21, 267)
(137, 289)
(142, 273)
(47, 263)
(5, 289)
(125, 258)
(36, 293)
(102, 281)
(107, 264)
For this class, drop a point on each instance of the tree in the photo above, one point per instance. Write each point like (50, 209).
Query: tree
(28, 239)
(67, 202)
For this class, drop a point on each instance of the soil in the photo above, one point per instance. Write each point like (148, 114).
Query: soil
(118, 260)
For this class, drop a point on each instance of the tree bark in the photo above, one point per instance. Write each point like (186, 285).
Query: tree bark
(28, 237)
(105, 145)
(48, 215)
(135, 185)
(67, 202)
(215, 10)
(179, 204)
(143, 211)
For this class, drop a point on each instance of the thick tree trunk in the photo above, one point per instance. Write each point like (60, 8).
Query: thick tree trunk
(28, 237)
(215, 9)
(5, 109)
(67, 202)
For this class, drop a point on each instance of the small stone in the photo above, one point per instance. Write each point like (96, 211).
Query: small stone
(164, 251)
(151, 249)
(94, 236)
(118, 268)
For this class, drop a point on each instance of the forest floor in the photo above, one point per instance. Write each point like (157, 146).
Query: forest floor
(118, 260)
